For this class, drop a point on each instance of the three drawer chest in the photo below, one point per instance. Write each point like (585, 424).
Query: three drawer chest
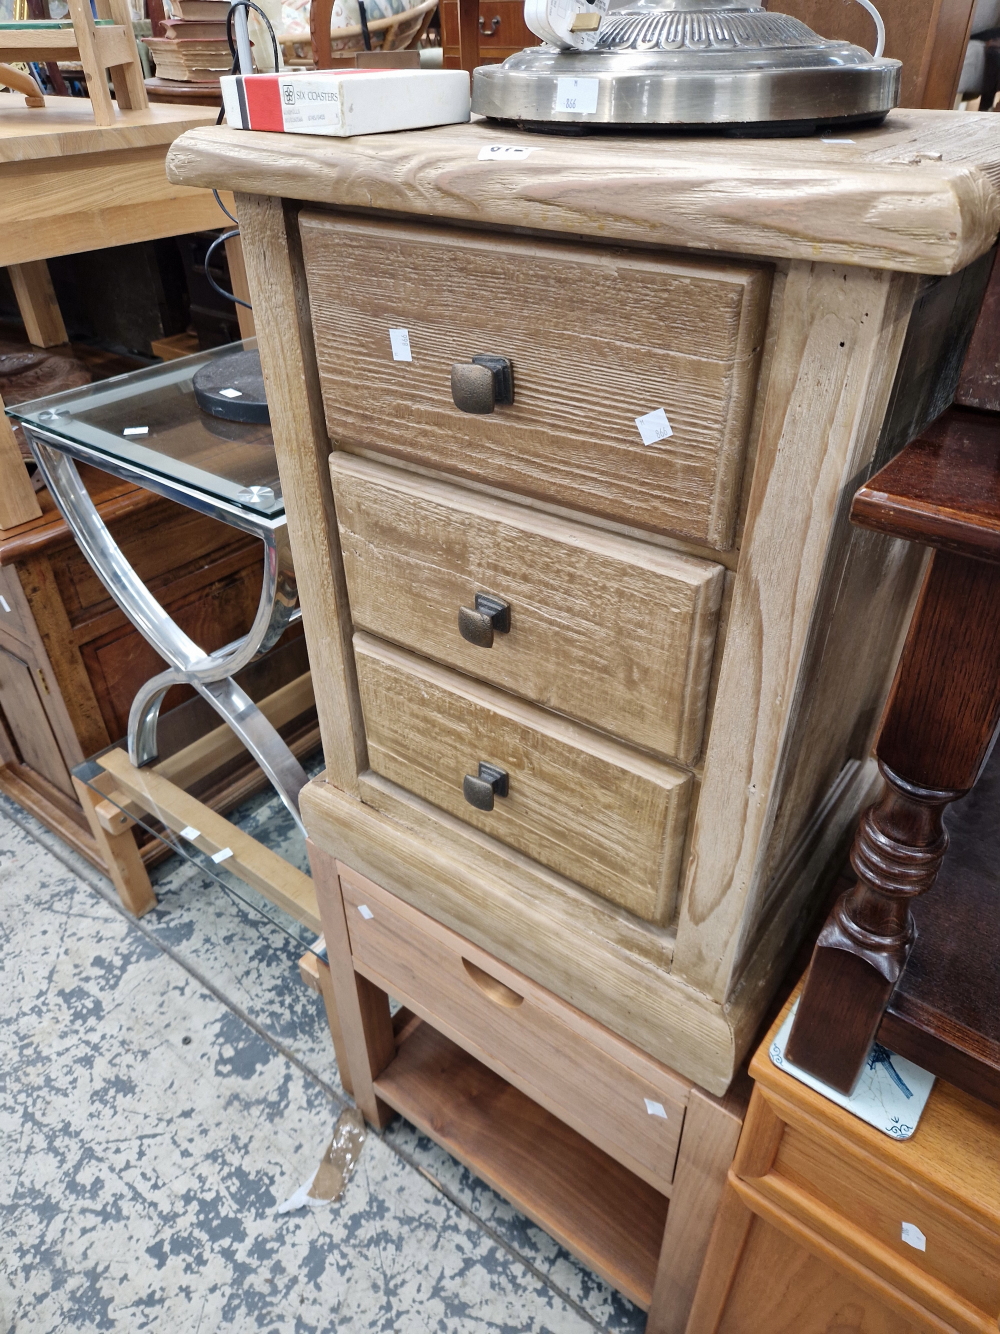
(568, 430)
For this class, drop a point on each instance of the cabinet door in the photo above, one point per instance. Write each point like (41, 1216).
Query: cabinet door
(502, 31)
(27, 721)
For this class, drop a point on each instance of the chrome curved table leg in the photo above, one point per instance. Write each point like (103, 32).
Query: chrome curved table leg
(210, 673)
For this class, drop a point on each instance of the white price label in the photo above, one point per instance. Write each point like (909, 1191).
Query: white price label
(365, 911)
(231, 393)
(577, 95)
(399, 340)
(222, 855)
(190, 833)
(503, 152)
(912, 1235)
(655, 1108)
(136, 430)
(654, 427)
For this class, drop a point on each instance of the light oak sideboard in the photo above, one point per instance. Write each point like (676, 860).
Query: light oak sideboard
(604, 707)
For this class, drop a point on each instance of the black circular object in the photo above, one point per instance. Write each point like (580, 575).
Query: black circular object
(232, 387)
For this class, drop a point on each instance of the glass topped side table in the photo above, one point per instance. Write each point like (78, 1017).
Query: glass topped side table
(147, 428)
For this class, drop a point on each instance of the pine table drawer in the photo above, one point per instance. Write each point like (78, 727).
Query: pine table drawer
(597, 338)
(584, 806)
(579, 1071)
(617, 633)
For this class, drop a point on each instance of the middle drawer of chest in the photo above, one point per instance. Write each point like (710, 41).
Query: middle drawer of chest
(616, 633)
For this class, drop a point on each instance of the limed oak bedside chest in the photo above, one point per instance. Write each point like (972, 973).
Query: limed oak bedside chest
(568, 437)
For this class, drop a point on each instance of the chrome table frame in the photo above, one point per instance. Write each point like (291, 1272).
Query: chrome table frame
(211, 674)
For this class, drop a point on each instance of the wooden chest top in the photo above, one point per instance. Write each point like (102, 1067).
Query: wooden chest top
(919, 194)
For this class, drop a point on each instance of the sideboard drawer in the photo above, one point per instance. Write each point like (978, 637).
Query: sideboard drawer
(862, 1205)
(603, 1087)
(597, 338)
(587, 807)
(617, 633)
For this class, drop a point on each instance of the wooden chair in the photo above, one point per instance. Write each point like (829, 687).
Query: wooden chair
(102, 46)
(395, 33)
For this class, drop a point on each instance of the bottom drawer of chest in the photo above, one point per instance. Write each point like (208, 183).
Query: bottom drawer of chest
(595, 811)
(608, 1091)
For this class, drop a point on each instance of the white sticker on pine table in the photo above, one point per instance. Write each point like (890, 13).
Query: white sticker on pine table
(503, 152)
(890, 1094)
(654, 427)
(399, 341)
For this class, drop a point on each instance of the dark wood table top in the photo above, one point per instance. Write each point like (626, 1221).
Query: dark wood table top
(943, 490)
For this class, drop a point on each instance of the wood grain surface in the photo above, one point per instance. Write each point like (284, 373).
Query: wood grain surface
(788, 716)
(616, 633)
(928, 36)
(362, 1009)
(284, 330)
(952, 1162)
(886, 200)
(942, 490)
(604, 816)
(598, 959)
(36, 301)
(61, 206)
(596, 338)
(23, 686)
(711, 1133)
(576, 1069)
(591, 1205)
(276, 879)
(863, 1209)
(757, 1276)
(65, 126)
(945, 1012)
(845, 1189)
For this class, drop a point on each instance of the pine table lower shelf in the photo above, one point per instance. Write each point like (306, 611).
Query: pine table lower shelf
(597, 1209)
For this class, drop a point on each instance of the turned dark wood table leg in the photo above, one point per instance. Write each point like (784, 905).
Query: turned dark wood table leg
(939, 725)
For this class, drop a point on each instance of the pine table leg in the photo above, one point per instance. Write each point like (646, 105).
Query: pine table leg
(121, 856)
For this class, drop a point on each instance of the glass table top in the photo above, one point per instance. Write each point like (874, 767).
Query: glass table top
(149, 418)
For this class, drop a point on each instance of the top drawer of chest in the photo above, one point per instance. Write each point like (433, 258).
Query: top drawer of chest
(596, 337)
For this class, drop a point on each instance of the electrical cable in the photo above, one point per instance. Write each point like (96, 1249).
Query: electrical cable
(220, 240)
(879, 27)
(227, 236)
(249, 4)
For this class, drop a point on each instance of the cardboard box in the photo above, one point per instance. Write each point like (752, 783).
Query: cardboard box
(346, 102)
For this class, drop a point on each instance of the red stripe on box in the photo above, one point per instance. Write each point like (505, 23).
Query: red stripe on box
(263, 103)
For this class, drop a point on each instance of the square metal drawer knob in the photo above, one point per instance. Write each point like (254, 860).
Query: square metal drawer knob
(480, 386)
(490, 616)
(491, 782)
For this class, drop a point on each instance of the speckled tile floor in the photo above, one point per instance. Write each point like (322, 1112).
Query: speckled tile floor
(164, 1085)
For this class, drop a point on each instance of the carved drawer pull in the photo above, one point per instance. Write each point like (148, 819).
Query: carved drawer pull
(491, 616)
(480, 790)
(494, 24)
(491, 987)
(482, 384)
